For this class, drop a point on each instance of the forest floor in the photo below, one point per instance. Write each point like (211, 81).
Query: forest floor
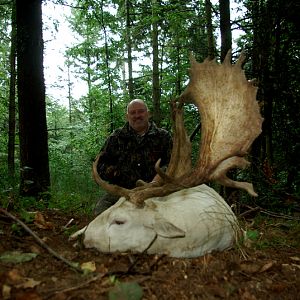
(267, 268)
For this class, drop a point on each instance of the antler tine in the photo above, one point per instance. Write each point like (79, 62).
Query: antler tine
(110, 188)
(227, 59)
(230, 119)
(240, 60)
(180, 162)
(219, 174)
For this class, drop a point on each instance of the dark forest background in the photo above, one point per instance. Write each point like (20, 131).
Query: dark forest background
(139, 49)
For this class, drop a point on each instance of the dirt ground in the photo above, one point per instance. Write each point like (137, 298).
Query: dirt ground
(270, 272)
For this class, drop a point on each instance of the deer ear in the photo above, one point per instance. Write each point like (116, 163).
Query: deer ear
(75, 235)
(166, 229)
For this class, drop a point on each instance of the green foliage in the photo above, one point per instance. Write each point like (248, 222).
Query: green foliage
(126, 291)
(252, 235)
(268, 232)
(27, 203)
(72, 148)
(17, 229)
(26, 216)
(100, 58)
(70, 230)
(16, 257)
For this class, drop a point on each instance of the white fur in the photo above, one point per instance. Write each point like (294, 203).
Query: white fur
(187, 223)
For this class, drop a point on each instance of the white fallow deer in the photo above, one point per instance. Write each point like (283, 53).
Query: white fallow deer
(179, 215)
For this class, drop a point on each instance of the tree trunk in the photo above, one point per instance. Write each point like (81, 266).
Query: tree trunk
(70, 104)
(108, 72)
(155, 65)
(34, 161)
(262, 150)
(210, 34)
(178, 90)
(226, 44)
(256, 149)
(225, 27)
(12, 98)
(129, 50)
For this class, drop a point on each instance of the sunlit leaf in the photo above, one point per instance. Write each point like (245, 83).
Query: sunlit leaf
(89, 266)
(6, 292)
(28, 283)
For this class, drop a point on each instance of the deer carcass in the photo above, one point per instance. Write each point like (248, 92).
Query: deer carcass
(178, 214)
(186, 223)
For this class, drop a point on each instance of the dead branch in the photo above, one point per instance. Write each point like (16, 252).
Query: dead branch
(267, 212)
(76, 287)
(41, 243)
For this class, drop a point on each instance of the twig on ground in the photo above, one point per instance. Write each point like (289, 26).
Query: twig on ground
(276, 215)
(267, 212)
(252, 209)
(43, 244)
(76, 287)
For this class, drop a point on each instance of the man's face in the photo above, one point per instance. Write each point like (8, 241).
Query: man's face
(138, 117)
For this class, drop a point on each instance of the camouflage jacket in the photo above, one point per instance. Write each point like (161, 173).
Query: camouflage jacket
(127, 157)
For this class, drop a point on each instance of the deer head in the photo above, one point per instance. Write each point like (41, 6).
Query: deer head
(230, 121)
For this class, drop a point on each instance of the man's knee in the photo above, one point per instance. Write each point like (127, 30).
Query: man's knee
(105, 202)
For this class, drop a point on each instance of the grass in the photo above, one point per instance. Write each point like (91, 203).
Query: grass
(269, 232)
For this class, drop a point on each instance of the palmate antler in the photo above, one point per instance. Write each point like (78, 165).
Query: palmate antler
(230, 121)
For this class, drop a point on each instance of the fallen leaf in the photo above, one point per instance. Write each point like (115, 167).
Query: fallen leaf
(14, 276)
(45, 239)
(102, 269)
(249, 268)
(28, 283)
(296, 266)
(6, 290)
(16, 257)
(295, 258)
(35, 249)
(41, 223)
(266, 267)
(89, 266)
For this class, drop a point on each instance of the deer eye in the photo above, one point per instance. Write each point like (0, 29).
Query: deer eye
(118, 222)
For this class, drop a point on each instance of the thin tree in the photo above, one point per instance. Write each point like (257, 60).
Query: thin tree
(12, 98)
(102, 24)
(225, 27)
(211, 49)
(35, 176)
(129, 49)
(226, 44)
(155, 65)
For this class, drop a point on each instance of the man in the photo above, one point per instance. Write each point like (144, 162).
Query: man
(130, 152)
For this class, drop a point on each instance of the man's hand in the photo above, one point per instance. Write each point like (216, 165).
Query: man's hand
(112, 171)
